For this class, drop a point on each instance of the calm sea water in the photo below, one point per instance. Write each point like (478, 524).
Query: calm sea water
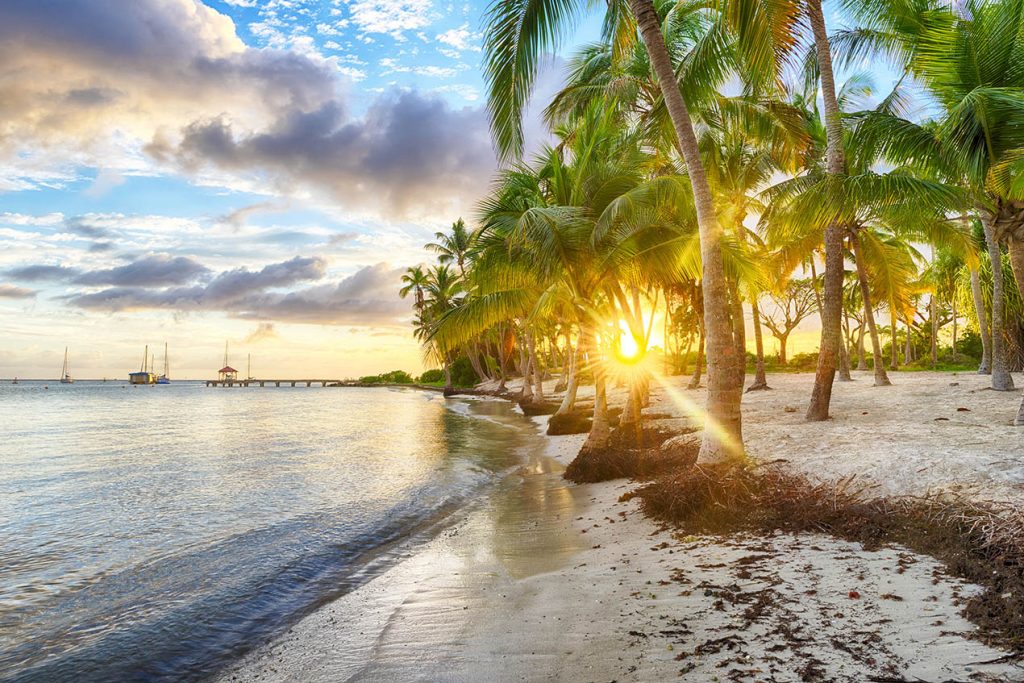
(157, 532)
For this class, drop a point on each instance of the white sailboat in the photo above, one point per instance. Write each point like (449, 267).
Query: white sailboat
(65, 376)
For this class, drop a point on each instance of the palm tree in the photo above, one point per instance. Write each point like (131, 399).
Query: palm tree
(414, 280)
(518, 33)
(967, 56)
(453, 247)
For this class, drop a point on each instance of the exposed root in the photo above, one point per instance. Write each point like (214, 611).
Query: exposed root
(616, 462)
(573, 422)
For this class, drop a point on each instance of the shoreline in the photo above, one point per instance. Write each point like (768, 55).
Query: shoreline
(631, 600)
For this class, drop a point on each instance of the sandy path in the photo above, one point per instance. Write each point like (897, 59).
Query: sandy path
(548, 581)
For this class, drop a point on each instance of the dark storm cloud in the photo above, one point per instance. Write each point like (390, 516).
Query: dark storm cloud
(366, 297)
(13, 292)
(41, 273)
(157, 270)
(223, 292)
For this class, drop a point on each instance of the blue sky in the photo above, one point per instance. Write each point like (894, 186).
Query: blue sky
(192, 171)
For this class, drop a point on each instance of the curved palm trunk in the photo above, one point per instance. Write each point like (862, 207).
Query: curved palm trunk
(600, 430)
(569, 400)
(832, 306)
(881, 378)
(984, 328)
(538, 376)
(844, 357)
(760, 379)
(862, 363)
(1001, 378)
(725, 441)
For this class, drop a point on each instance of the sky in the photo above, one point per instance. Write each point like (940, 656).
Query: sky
(195, 172)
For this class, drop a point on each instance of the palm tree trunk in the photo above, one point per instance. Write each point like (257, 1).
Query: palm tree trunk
(739, 334)
(695, 380)
(984, 328)
(538, 385)
(894, 342)
(955, 313)
(725, 440)
(831, 315)
(760, 379)
(1001, 378)
(881, 378)
(600, 430)
(569, 400)
(684, 364)
(862, 363)
(567, 359)
(844, 355)
(782, 348)
(501, 357)
(1016, 250)
(908, 347)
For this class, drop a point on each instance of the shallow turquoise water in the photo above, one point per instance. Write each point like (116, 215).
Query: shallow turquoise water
(156, 532)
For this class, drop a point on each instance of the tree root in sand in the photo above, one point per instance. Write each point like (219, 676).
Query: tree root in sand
(621, 458)
(573, 422)
(982, 543)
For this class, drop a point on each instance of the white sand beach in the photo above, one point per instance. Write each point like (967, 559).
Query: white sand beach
(546, 580)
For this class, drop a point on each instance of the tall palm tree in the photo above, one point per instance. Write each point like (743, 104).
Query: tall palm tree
(454, 246)
(414, 279)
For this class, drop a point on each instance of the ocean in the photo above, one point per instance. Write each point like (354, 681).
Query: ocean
(158, 532)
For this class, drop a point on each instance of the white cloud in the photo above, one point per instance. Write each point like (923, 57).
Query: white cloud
(460, 38)
(390, 17)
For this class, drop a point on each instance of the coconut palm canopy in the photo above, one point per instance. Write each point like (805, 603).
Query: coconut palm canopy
(692, 179)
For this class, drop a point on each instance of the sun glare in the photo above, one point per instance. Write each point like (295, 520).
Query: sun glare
(629, 352)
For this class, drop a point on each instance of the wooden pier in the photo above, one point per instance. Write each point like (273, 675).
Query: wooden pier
(274, 382)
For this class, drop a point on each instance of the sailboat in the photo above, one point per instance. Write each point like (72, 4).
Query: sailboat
(165, 378)
(143, 376)
(65, 377)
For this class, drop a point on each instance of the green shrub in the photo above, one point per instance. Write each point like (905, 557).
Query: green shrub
(432, 376)
(463, 374)
(393, 377)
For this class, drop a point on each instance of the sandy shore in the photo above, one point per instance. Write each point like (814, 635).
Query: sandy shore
(545, 580)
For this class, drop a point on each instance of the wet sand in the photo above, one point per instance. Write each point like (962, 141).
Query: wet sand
(544, 580)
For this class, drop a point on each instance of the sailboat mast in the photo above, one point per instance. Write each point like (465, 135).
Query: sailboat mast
(145, 358)
(64, 372)
(166, 363)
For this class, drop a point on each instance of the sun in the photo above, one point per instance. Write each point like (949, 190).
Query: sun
(628, 352)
